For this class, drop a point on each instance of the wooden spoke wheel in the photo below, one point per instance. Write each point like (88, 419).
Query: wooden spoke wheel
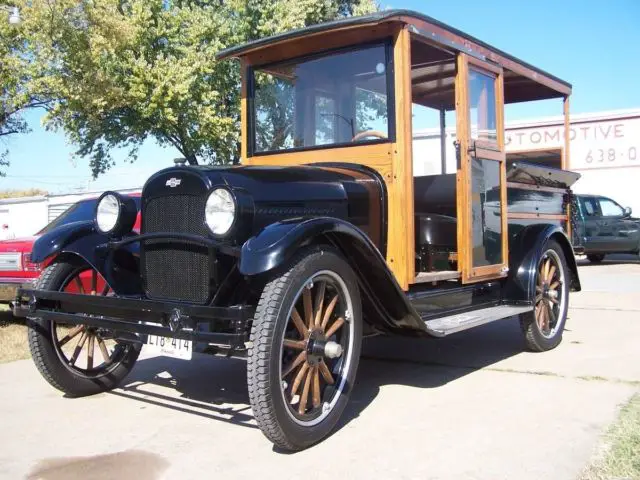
(306, 338)
(78, 359)
(87, 350)
(544, 326)
(315, 348)
(549, 293)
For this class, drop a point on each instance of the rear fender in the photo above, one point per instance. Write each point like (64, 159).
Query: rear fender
(81, 240)
(526, 249)
(385, 305)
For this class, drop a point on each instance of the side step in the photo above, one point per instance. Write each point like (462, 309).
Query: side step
(443, 326)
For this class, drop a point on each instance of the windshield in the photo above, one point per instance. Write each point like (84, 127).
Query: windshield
(339, 98)
(78, 212)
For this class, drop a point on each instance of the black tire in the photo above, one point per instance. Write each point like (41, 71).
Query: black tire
(595, 257)
(276, 417)
(540, 334)
(48, 355)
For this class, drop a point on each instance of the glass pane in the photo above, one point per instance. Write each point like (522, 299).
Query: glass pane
(486, 220)
(610, 208)
(482, 104)
(322, 101)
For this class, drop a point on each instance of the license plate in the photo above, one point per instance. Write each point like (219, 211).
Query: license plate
(170, 347)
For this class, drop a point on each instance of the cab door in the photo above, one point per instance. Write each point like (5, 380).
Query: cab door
(621, 233)
(481, 174)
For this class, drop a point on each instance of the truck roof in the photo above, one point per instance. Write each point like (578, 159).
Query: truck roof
(422, 25)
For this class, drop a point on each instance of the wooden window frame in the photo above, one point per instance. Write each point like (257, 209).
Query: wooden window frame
(484, 150)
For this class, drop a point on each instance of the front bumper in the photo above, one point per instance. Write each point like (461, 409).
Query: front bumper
(224, 326)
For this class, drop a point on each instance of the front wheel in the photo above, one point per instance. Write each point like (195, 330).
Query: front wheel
(544, 326)
(79, 360)
(306, 338)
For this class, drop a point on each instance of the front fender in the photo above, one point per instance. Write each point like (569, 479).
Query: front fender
(78, 237)
(81, 240)
(525, 249)
(279, 241)
(385, 305)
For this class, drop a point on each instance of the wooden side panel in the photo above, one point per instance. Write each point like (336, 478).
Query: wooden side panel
(377, 156)
(400, 237)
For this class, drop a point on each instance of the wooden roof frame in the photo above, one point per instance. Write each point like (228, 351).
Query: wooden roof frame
(421, 26)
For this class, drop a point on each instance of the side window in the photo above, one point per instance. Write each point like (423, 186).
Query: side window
(589, 207)
(610, 208)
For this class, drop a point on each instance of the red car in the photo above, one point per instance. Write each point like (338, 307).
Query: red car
(16, 268)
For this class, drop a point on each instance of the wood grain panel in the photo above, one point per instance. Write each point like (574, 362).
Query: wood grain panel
(377, 156)
(400, 238)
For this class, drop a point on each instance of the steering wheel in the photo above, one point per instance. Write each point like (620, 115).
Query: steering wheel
(368, 133)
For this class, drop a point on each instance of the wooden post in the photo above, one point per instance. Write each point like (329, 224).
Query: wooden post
(462, 174)
(443, 141)
(400, 224)
(244, 134)
(567, 134)
(566, 156)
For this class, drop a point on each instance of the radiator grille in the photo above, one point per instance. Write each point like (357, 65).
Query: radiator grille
(173, 269)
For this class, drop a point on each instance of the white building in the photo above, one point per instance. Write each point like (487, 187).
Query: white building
(25, 216)
(604, 149)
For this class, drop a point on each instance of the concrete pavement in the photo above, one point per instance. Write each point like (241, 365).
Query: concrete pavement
(471, 406)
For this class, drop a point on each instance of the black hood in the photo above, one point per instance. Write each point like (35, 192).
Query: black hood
(267, 194)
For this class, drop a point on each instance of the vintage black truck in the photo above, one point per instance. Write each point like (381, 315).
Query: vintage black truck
(323, 233)
(602, 226)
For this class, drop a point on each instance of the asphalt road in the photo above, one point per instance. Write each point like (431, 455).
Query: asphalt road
(472, 406)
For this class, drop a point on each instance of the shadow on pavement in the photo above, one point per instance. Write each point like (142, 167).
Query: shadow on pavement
(207, 386)
(215, 387)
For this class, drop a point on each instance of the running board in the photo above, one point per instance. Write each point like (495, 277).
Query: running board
(443, 326)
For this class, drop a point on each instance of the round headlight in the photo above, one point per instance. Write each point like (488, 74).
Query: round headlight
(107, 213)
(220, 211)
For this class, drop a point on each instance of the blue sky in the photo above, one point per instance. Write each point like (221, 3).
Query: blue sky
(593, 44)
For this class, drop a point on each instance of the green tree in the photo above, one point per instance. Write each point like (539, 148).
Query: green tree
(120, 71)
(15, 76)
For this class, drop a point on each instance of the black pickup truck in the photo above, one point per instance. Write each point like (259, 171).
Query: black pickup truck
(602, 226)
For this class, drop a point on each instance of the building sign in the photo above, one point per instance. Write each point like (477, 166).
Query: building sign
(600, 144)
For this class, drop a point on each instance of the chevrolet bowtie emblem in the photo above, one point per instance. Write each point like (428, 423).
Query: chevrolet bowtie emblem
(173, 182)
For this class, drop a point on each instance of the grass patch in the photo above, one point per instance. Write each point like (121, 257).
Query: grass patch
(620, 457)
(13, 339)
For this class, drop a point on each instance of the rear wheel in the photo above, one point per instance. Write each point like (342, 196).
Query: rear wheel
(306, 339)
(595, 257)
(79, 360)
(544, 326)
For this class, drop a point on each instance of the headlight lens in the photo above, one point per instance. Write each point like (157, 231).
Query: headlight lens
(107, 213)
(220, 211)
